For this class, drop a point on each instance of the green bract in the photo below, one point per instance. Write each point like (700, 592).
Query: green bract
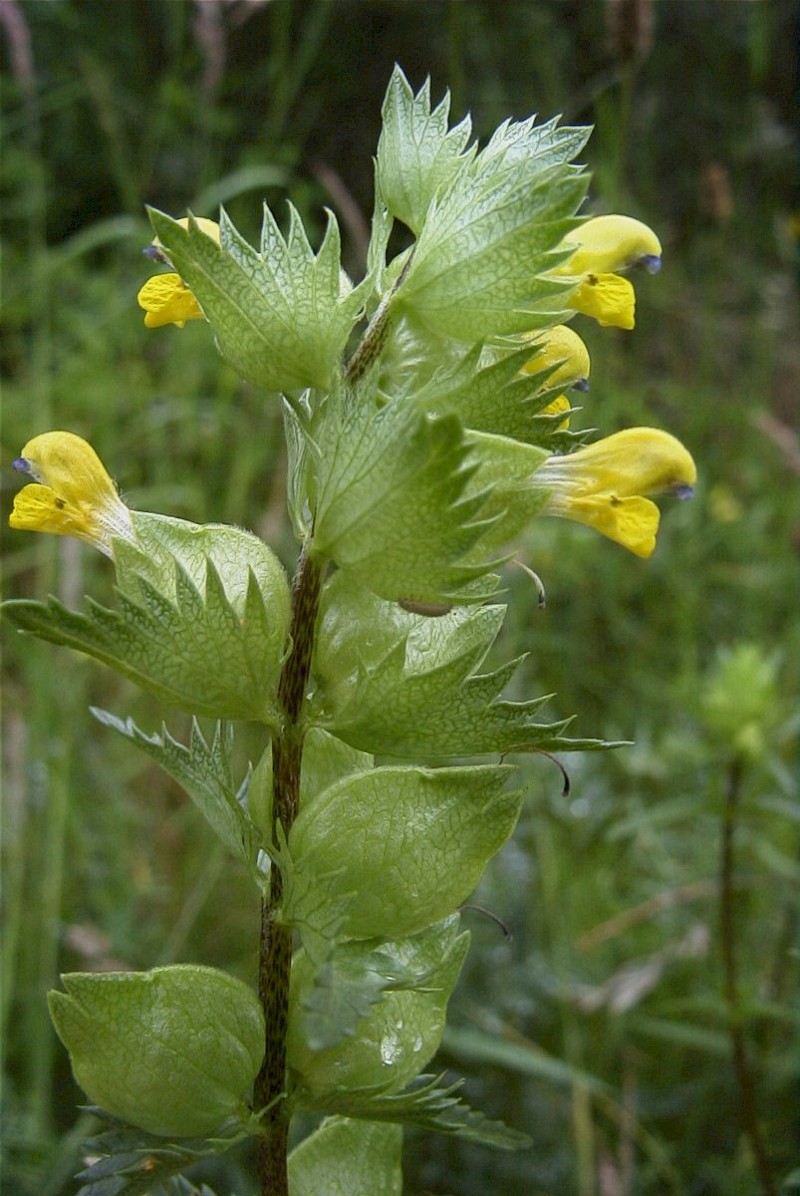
(402, 1030)
(403, 684)
(282, 314)
(388, 851)
(202, 622)
(492, 232)
(173, 1051)
(416, 153)
(347, 1158)
(392, 504)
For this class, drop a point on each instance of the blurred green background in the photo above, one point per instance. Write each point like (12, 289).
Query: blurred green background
(655, 909)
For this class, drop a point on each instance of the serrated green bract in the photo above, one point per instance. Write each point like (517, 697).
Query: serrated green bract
(506, 478)
(326, 759)
(402, 684)
(282, 314)
(397, 1037)
(427, 1105)
(162, 542)
(492, 233)
(391, 505)
(172, 1051)
(204, 771)
(333, 997)
(197, 649)
(126, 1161)
(348, 1158)
(386, 852)
(417, 153)
(492, 396)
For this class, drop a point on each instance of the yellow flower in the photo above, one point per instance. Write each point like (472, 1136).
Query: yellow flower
(555, 407)
(165, 298)
(603, 246)
(603, 484)
(71, 493)
(563, 349)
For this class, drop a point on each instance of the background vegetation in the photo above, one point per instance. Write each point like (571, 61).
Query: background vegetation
(655, 909)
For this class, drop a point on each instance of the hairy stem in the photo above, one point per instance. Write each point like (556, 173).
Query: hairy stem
(744, 1075)
(370, 346)
(276, 940)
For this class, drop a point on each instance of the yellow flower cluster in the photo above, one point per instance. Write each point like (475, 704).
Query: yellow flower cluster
(604, 485)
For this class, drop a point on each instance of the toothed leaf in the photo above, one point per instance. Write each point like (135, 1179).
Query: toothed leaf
(400, 1032)
(130, 1162)
(491, 234)
(402, 684)
(396, 848)
(173, 1050)
(191, 649)
(203, 770)
(282, 314)
(347, 1158)
(427, 1106)
(391, 508)
(417, 153)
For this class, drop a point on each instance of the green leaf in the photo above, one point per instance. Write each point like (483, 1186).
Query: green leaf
(490, 236)
(194, 651)
(282, 315)
(162, 542)
(130, 1162)
(386, 852)
(347, 1158)
(492, 396)
(204, 772)
(401, 1031)
(391, 506)
(416, 152)
(326, 759)
(403, 684)
(330, 999)
(427, 1106)
(173, 1050)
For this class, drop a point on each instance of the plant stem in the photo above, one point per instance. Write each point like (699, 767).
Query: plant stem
(744, 1076)
(276, 940)
(369, 348)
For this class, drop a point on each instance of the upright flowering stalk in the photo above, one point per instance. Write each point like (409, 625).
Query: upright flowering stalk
(415, 462)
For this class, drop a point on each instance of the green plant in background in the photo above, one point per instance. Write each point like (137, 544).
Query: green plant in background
(420, 447)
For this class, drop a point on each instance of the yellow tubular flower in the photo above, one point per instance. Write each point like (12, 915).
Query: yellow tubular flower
(603, 484)
(604, 246)
(165, 298)
(71, 493)
(563, 349)
(559, 403)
